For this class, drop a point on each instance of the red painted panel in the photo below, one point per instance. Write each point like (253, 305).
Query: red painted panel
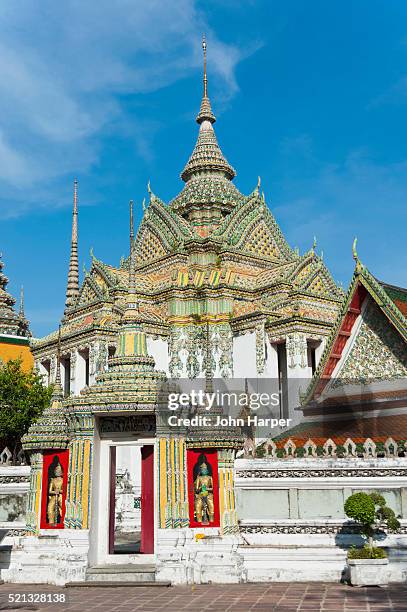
(147, 500)
(194, 459)
(53, 505)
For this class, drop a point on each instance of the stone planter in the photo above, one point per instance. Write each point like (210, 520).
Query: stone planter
(369, 572)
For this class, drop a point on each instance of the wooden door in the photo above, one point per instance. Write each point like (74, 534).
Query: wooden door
(147, 500)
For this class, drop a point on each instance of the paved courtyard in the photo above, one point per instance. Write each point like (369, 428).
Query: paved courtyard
(277, 596)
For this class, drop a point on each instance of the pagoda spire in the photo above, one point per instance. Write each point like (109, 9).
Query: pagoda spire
(21, 311)
(205, 112)
(207, 157)
(72, 288)
(57, 393)
(131, 225)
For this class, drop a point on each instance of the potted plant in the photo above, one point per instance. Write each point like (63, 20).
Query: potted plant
(369, 565)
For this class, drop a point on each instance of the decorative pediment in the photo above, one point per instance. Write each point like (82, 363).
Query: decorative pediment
(260, 242)
(89, 292)
(161, 231)
(377, 351)
(312, 276)
(252, 228)
(149, 245)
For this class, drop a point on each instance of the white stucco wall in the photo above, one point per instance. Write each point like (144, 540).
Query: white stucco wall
(244, 356)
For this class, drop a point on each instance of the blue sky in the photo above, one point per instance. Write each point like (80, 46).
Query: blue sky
(311, 96)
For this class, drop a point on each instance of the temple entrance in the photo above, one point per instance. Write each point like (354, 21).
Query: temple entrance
(131, 503)
(123, 494)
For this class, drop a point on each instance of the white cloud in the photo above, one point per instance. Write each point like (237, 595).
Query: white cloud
(63, 68)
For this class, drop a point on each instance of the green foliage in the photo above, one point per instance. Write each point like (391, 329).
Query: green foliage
(370, 511)
(300, 452)
(366, 552)
(22, 399)
(361, 508)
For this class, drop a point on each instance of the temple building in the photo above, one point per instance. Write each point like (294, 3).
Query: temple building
(14, 328)
(210, 291)
(359, 391)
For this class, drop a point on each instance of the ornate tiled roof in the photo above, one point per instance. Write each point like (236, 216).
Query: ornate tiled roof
(11, 323)
(207, 156)
(208, 189)
(362, 282)
(131, 379)
(358, 429)
(207, 173)
(398, 295)
(51, 429)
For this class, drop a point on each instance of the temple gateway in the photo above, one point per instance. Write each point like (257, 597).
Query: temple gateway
(210, 290)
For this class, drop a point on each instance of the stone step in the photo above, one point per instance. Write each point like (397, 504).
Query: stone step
(128, 573)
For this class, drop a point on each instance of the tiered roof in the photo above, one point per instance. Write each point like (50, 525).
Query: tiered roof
(11, 323)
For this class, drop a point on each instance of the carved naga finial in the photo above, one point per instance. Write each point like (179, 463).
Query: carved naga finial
(354, 251)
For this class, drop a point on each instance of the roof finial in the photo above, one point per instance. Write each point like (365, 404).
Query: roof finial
(354, 251)
(205, 112)
(205, 78)
(131, 225)
(72, 288)
(57, 392)
(144, 205)
(314, 243)
(21, 311)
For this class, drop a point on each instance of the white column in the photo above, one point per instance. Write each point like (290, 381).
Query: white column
(244, 356)
(298, 372)
(319, 350)
(93, 359)
(271, 363)
(80, 379)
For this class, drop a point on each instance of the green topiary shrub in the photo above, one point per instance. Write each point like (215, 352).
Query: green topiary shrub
(369, 510)
(366, 553)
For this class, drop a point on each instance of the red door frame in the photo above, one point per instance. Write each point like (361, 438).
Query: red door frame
(112, 498)
(147, 499)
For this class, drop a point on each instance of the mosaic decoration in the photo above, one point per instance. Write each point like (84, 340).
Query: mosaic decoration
(260, 348)
(378, 352)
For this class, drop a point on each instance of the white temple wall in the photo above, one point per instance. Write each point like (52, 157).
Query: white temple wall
(291, 515)
(271, 362)
(244, 356)
(80, 373)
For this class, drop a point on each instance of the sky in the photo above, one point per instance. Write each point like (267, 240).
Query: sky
(310, 96)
